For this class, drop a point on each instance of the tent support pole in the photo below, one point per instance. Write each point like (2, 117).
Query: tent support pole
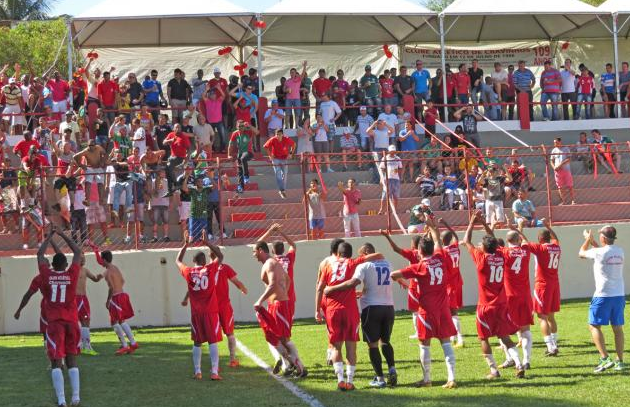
(260, 66)
(69, 47)
(401, 54)
(616, 51)
(443, 57)
(241, 54)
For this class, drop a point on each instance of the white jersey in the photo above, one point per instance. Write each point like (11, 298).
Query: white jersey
(377, 284)
(608, 270)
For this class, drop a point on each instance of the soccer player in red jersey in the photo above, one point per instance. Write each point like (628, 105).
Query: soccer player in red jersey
(434, 315)
(58, 287)
(275, 320)
(334, 245)
(204, 309)
(413, 256)
(492, 311)
(118, 303)
(454, 283)
(83, 306)
(546, 285)
(341, 311)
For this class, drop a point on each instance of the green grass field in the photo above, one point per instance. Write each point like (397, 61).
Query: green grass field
(159, 373)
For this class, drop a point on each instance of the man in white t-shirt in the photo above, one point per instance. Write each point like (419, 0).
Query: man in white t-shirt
(560, 160)
(500, 84)
(608, 303)
(139, 137)
(330, 111)
(391, 167)
(390, 118)
(203, 131)
(568, 93)
(377, 312)
(274, 117)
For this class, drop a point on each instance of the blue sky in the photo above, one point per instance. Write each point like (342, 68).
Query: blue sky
(74, 7)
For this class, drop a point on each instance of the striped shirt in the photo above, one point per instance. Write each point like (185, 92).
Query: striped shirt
(522, 79)
(551, 81)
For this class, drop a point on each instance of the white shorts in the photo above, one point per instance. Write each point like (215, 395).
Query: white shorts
(184, 211)
(94, 175)
(494, 208)
(60, 107)
(15, 120)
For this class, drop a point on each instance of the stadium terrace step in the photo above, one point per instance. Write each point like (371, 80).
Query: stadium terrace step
(242, 217)
(252, 186)
(251, 233)
(251, 201)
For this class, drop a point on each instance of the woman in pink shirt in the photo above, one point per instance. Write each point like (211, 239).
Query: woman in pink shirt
(292, 88)
(210, 107)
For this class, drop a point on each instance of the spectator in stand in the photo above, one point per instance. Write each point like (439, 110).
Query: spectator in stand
(452, 186)
(198, 221)
(403, 84)
(560, 160)
(569, 93)
(94, 214)
(469, 120)
(184, 197)
(476, 81)
(214, 207)
(524, 80)
(305, 99)
(494, 182)
(139, 138)
(316, 209)
(370, 85)
(390, 118)
(240, 149)
(292, 91)
(391, 167)
(524, 211)
(320, 142)
(427, 182)
(490, 100)
(590, 73)
(583, 153)
(252, 80)
(331, 112)
(204, 135)
(14, 106)
(338, 96)
(354, 99)
(43, 136)
(511, 93)
(624, 81)
(585, 87)
(432, 155)
(380, 132)
(418, 214)
(280, 149)
(136, 93)
(351, 201)
(479, 197)
(363, 123)
(159, 206)
(211, 108)
(152, 89)
(274, 117)
(341, 82)
(521, 177)
(179, 92)
(350, 145)
(550, 85)
(420, 82)
(123, 182)
(23, 147)
(281, 95)
(8, 197)
(69, 124)
(179, 143)
(60, 90)
(500, 83)
(463, 84)
(198, 86)
(437, 87)
(160, 132)
(449, 155)
(107, 91)
(387, 89)
(304, 136)
(135, 214)
(409, 143)
(608, 90)
(321, 87)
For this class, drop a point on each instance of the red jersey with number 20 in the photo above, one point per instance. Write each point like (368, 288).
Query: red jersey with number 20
(516, 270)
(201, 282)
(288, 261)
(547, 262)
(490, 277)
(431, 275)
(337, 271)
(59, 289)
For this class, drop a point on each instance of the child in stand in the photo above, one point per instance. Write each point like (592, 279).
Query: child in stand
(316, 209)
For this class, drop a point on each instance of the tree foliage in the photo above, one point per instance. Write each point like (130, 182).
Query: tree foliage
(25, 9)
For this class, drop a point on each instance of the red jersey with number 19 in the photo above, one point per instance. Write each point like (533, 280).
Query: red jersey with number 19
(59, 291)
(490, 277)
(202, 288)
(547, 262)
(337, 271)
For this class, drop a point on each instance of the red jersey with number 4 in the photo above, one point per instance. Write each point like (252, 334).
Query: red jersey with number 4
(59, 289)
(516, 270)
(201, 282)
(547, 262)
(224, 274)
(490, 277)
(431, 275)
(337, 271)
(288, 261)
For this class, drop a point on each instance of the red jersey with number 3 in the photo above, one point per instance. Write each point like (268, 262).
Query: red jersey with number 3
(431, 275)
(201, 282)
(490, 277)
(547, 262)
(224, 274)
(516, 270)
(337, 271)
(288, 261)
(59, 290)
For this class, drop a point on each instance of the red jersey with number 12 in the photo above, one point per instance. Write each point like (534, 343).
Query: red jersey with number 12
(59, 290)
(516, 270)
(288, 261)
(547, 262)
(337, 271)
(202, 287)
(490, 277)
(431, 275)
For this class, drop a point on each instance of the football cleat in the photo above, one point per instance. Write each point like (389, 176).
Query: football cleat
(277, 368)
(133, 347)
(215, 377)
(506, 364)
(122, 351)
(350, 387)
(520, 373)
(422, 383)
(341, 386)
(234, 363)
(449, 385)
(493, 376)
(197, 376)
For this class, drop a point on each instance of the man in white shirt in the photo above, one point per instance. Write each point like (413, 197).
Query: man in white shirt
(139, 137)
(608, 303)
(203, 131)
(568, 93)
(330, 111)
(560, 160)
(391, 167)
(500, 84)
(274, 117)
(377, 312)
(390, 118)
(71, 124)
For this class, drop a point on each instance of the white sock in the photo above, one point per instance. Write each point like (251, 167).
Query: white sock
(274, 352)
(284, 354)
(527, 346)
(491, 363)
(554, 338)
(197, 358)
(338, 366)
(73, 373)
(449, 358)
(328, 354)
(425, 361)
(514, 355)
(549, 343)
(414, 317)
(85, 338)
(293, 352)
(519, 335)
(508, 357)
(121, 335)
(214, 357)
(125, 326)
(350, 373)
(458, 328)
(57, 379)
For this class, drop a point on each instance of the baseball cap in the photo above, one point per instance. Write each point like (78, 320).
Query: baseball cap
(216, 69)
(11, 80)
(69, 112)
(363, 108)
(391, 148)
(426, 202)
(274, 101)
(368, 67)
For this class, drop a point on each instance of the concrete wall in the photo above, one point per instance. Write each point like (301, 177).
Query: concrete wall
(156, 289)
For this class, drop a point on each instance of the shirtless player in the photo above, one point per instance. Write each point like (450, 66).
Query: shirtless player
(276, 320)
(94, 166)
(83, 306)
(118, 303)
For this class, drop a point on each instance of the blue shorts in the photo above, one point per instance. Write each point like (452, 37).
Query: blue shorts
(196, 226)
(606, 310)
(317, 224)
(331, 132)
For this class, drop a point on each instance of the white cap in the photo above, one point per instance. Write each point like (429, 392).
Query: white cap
(216, 69)
(363, 108)
(391, 148)
(426, 202)
(11, 80)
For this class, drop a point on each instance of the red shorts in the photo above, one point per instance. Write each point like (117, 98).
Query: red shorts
(120, 308)
(564, 178)
(435, 324)
(292, 309)
(281, 313)
(268, 325)
(83, 307)
(226, 318)
(493, 320)
(412, 299)
(520, 310)
(43, 324)
(343, 325)
(455, 296)
(205, 327)
(62, 339)
(547, 298)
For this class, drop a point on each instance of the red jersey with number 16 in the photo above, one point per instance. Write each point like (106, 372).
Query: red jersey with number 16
(490, 277)
(516, 270)
(201, 282)
(337, 271)
(547, 262)
(59, 289)
(431, 275)
(288, 261)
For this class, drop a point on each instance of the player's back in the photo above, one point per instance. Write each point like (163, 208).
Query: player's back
(516, 270)
(222, 277)
(202, 287)
(59, 291)
(454, 254)
(432, 276)
(337, 271)
(490, 269)
(377, 284)
(547, 262)
(288, 261)
(115, 279)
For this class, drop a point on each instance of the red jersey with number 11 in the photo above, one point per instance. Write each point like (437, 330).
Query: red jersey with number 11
(59, 289)
(547, 262)
(337, 271)
(202, 287)
(490, 277)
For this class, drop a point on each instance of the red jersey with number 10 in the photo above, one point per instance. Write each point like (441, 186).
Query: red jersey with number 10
(337, 271)
(490, 277)
(547, 262)
(431, 275)
(516, 270)
(288, 261)
(59, 290)
(202, 287)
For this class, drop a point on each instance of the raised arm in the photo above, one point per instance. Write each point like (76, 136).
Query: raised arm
(289, 241)
(41, 253)
(588, 241)
(393, 244)
(435, 235)
(76, 250)
(449, 228)
(214, 249)
(274, 227)
(97, 253)
(350, 284)
(182, 252)
(547, 225)
(469, 230)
